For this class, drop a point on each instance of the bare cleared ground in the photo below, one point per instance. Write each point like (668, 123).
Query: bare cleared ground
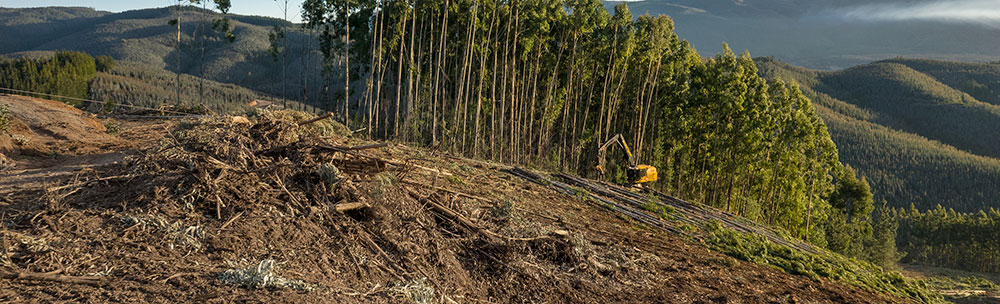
(222, 211)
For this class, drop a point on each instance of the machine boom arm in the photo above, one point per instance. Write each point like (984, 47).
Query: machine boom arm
(604, 151)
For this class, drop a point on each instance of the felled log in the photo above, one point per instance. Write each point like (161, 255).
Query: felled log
(322, 117)
(88, 280)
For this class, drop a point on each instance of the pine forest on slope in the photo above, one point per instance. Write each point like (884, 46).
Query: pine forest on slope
(915, 128)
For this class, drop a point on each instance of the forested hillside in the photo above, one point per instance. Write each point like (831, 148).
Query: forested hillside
(64, 73)
(981, 80)
(24, 29)
(920, 138)
(137, 84)
(148, 38)
(77, 75)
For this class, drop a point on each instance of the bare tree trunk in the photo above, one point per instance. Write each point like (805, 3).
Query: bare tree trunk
(381, 74)
(586, 112)
(399, 78)
(543, 127)
(438, 79)
(493, 91)
(305, 67)
(424, 34)
(482, 80)
(380, 69)
(284, 61)
(601, 133)
(530, 121)
(460, 92)
(201, 68)
(410, 69)
(649, 104)
(178, 53)
(366, 102)
(503, 87)
(347, 66)
(616, 97)
(513, 84)
(469, 81)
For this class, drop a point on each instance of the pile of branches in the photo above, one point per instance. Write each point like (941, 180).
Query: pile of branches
(226, 165)
(272, 187)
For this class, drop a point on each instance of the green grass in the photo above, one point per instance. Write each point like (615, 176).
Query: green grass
(757, 249)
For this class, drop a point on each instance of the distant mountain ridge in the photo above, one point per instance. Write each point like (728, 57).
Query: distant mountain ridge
(911, 127)
(145, 40)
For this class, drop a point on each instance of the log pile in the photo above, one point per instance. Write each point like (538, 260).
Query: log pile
(631, 204)
(601, 201)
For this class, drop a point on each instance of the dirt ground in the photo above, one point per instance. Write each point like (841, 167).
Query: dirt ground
(224, 211)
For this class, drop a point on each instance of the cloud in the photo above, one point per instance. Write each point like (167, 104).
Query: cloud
(985, 12)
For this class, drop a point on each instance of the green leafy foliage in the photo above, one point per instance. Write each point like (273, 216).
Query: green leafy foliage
(104, 63)
(754, 248)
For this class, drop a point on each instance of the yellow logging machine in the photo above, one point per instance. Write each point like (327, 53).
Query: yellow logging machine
(637, 174)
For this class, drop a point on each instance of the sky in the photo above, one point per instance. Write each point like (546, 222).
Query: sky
(241, 7)
(986, 12)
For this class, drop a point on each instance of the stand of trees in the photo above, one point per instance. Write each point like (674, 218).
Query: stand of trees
(545, 82)
(945, 238)
(66, 74)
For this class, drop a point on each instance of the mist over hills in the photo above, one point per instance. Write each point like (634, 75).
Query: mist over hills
(837, 34)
